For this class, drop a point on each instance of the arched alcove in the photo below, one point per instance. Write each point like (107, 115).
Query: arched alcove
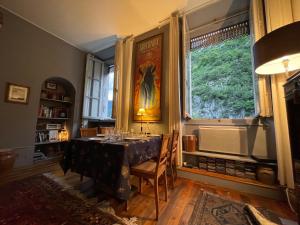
(55, 115)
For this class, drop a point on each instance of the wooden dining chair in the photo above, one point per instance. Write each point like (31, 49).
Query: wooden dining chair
(154, 170)
(172, 157)
(88, 132)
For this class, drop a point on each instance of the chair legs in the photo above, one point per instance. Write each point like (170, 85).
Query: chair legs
(173, 169)
(155, 191)
(166, 185)
(172, 176)
(156, 197)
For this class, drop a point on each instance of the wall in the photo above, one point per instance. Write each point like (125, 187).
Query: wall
(162, 126)
(28, 56)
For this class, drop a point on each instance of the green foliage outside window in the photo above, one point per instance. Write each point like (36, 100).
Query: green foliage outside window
(222, 82)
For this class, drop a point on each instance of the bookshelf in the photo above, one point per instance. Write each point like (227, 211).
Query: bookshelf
(54, 119)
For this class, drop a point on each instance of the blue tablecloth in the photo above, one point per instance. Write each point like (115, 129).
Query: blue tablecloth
(108, 163)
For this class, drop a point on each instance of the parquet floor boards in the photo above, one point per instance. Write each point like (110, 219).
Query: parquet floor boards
(180, 203)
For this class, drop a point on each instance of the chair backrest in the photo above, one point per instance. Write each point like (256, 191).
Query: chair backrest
(106, 130)
(163, 154)
(88, 132)
(174, 144)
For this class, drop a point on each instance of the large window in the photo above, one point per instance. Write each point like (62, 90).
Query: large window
(221, 74)
(98, 92)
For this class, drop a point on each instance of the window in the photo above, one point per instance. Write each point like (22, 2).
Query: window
(221, 83)
(98, 91)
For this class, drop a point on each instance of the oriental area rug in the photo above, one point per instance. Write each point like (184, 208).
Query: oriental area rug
(39, 200)
(211, 209)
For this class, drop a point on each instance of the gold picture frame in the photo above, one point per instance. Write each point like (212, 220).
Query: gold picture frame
(16, 93)
(148, 78)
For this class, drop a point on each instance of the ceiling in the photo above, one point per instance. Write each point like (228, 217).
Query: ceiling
(92, 25)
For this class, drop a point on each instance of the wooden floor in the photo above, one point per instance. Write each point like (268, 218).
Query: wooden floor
(181, 200)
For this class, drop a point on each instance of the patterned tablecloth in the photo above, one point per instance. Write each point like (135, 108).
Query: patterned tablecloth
(108, 162)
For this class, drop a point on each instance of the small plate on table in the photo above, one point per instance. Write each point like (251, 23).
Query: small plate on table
(96, 138)
(153, 135)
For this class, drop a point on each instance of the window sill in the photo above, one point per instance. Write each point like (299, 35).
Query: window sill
(224, 122)
(98, 119)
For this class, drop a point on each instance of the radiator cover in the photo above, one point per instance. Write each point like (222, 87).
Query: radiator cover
(224, 139)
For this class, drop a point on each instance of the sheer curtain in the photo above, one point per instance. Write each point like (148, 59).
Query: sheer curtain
(123, 65)
(117, 113)
(264, 85)
(279, 13)
(174, 81)
(127, 67)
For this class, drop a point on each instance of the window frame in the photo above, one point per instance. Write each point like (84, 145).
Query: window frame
(89, 76)
(253, 120)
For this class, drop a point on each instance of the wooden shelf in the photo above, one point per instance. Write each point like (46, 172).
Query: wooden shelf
(228, 177)
(221, 156)
(48, 142)
(55, 100)
(46, 130)
(58, 118)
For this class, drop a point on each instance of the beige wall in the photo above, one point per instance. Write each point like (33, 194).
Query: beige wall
(29, 56)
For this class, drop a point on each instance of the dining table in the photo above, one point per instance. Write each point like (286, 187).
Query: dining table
(108, 160)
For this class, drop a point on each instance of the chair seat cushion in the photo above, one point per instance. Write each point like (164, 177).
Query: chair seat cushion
(147, 167)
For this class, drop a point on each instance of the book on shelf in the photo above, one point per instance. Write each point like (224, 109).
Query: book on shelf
(52, 111)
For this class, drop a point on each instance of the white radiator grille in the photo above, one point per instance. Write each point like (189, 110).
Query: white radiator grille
(223, 139)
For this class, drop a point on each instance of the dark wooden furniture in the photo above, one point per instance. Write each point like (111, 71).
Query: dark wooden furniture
(88, 132)
(154, 170)
(292, 96)
(172, 156)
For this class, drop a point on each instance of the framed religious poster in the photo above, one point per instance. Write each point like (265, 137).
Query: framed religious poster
(147, 79)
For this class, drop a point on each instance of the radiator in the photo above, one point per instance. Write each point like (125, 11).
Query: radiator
(223, 139)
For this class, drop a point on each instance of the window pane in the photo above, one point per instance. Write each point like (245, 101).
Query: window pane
(87, 88)
(97, 70)
(110, 92)
(86, 106)
(221, 80)
(96, 88)
(94, 108)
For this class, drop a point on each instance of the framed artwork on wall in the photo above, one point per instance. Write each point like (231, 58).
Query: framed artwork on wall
(16, 93)
(51, 85)
(147, 79)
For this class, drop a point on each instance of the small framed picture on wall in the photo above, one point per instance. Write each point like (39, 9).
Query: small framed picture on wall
(16, 93)
(51, 85)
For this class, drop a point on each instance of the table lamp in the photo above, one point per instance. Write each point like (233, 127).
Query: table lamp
(278, 51)
(141, 112)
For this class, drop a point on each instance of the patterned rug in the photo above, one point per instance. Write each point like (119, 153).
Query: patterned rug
(39, 200)
(212, 209)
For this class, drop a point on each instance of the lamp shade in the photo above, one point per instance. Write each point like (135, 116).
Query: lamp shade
(278, 50)
(141, 112)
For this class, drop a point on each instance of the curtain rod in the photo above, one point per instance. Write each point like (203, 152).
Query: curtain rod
(220, 20)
